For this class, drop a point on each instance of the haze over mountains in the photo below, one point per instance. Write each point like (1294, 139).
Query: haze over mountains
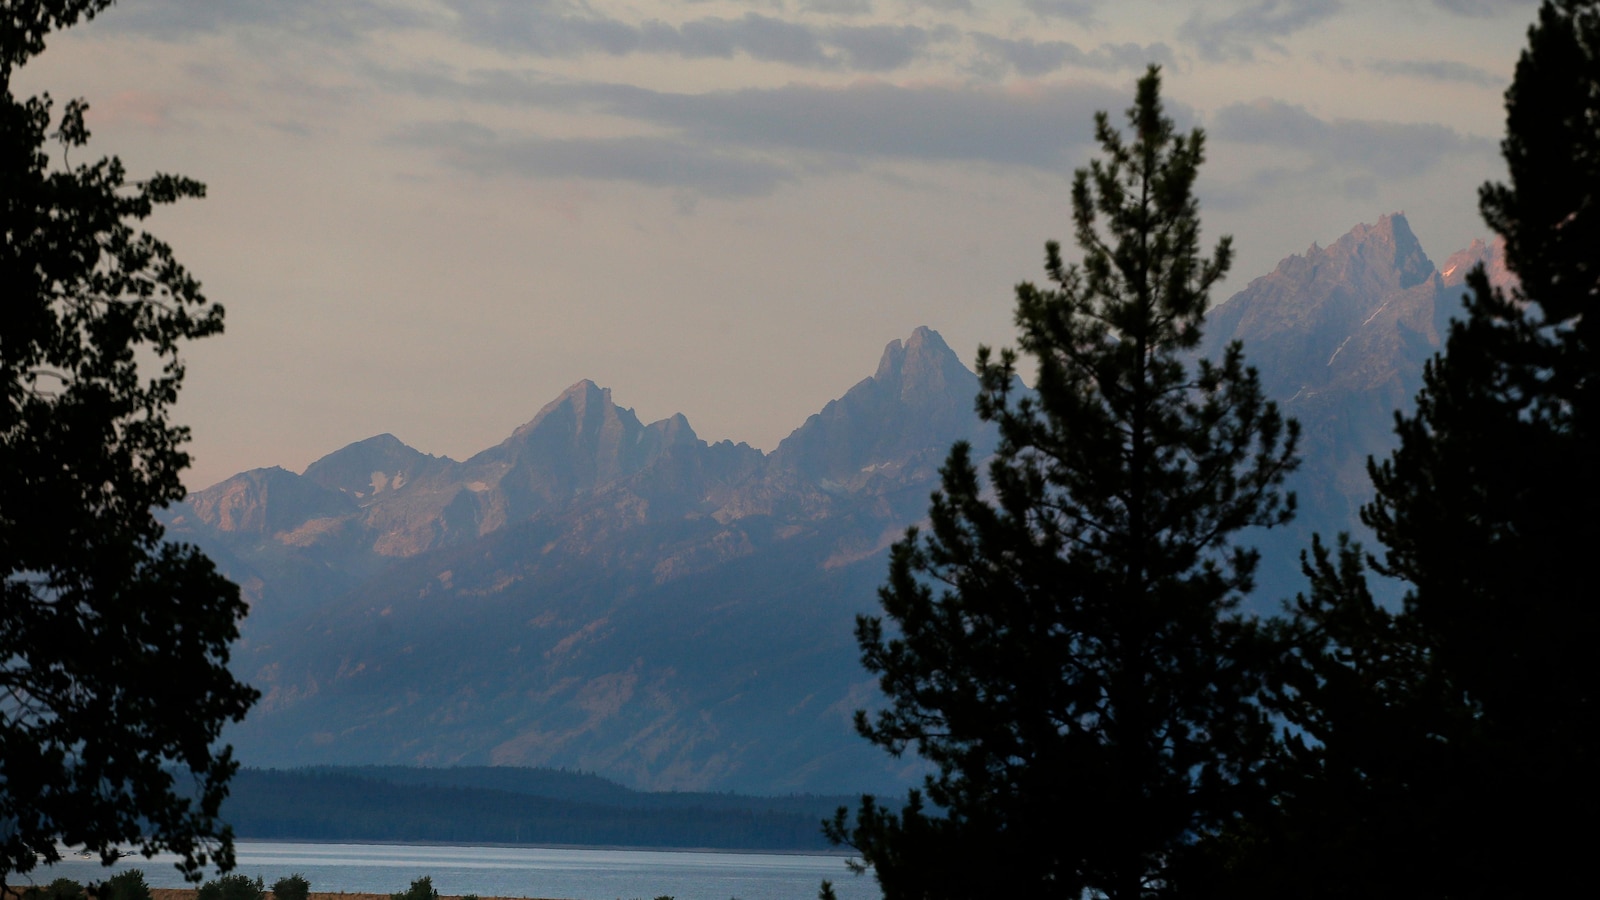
(600, 593)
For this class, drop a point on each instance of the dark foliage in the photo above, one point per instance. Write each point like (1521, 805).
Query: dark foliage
(1448, 749)
(420, 889)
(233, 887)
(113, 644)
(129, 885)
(24, 24)
(1063, 644)
(291, 887)
(59, 889)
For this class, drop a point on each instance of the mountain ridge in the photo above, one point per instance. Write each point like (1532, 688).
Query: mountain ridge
(626, 598)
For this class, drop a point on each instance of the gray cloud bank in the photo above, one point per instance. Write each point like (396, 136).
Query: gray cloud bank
(652, 161)
(1351, 157)
(1260, 23)
(1383, 149)
(342, 21)
(1483, 9)
(553, 29)
(548, 30)
(749, 141)
(1440, 70)
(1034, 58)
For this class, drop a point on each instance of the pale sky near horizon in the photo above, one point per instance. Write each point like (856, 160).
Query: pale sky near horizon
(429, 217)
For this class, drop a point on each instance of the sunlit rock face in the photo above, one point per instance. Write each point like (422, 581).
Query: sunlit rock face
(622, 597)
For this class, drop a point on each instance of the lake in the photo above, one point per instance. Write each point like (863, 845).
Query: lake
(516, 871)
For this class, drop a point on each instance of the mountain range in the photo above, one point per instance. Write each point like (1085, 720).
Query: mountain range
(626, 598)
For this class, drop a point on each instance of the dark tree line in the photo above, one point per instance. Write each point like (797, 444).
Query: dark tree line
(1063, 644)
(347, 805)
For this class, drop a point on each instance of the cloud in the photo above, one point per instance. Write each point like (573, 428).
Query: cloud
(755, 35)
(883, 48)
(963, 6)
(1440, 70)
(1385, 150)
(1080, 11)
(1483, 9)
(1033, 58)
(838, 7)
(1261, 23)
(875, 120)
(1037, 126)
(651, 161)
(551, 30)
(747, 142)
(556, 29)
(344, 21)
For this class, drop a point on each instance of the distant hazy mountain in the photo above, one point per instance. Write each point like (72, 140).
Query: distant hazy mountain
(625, 598)
(592, 592)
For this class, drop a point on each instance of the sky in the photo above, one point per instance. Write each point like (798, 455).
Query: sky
(430, 217)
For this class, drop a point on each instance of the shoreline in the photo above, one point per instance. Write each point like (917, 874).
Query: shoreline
(332, 842)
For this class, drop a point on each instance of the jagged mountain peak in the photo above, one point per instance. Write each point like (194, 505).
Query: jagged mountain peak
(1491, 255)
(372, 466)
(882, 423)
(921, 369)
(1392, 235)
(577, 404)
(1370, 258)
(1339, 287)
(674, 429)
(264, 502)
(578, 443)
(582, 419)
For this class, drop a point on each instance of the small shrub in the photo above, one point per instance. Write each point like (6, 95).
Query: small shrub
(60, 889)
(129, 885)
(294, 887)
(421, 889)
(233, 887)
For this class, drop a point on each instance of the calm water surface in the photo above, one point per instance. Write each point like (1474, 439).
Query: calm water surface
(517, 871)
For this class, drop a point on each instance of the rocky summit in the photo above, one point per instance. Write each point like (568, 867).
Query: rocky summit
(604, 594)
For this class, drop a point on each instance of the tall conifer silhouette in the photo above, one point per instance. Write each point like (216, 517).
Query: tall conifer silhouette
(1061, 644)
(1448, 749)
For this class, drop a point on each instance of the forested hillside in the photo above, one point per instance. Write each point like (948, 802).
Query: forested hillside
(511, 806)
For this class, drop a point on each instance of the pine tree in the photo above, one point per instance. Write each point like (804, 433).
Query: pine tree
(1459, 734)
(1064, 648)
